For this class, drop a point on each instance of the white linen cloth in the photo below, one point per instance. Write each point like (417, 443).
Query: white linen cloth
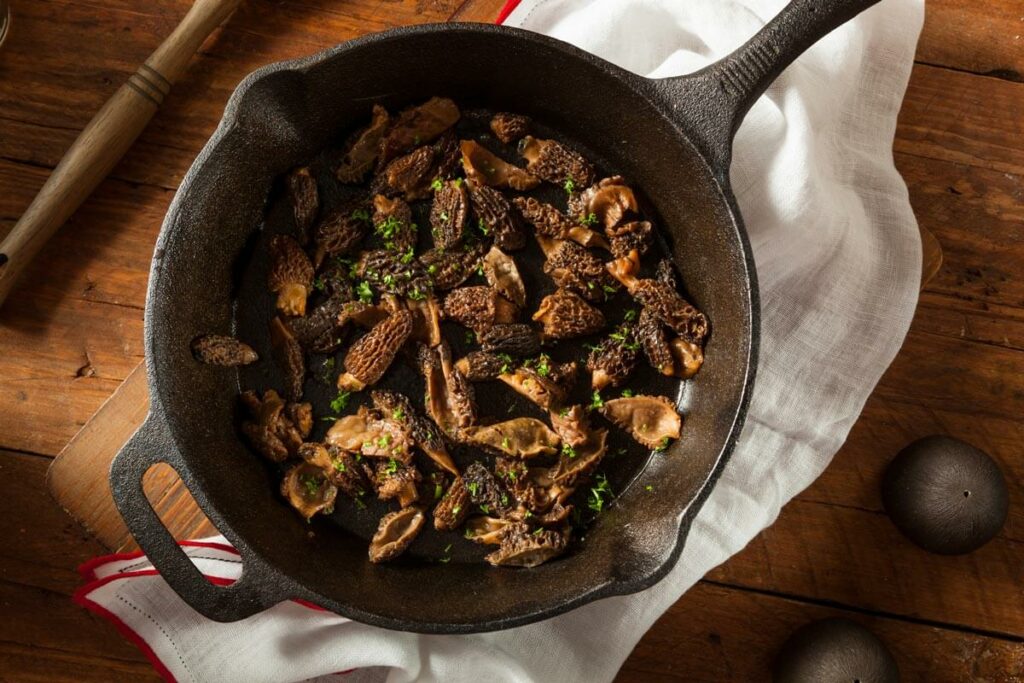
(838, 256)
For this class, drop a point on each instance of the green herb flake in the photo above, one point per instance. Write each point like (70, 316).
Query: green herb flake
(599, 494)
(470, 337)
(409, 255)
(392, 466)
(472, 486)
(438, 492)
(311, 483)
(648, 488)
(568, 450)
(596, 401)
(569, 186)
(630, 315)
(431, 269)
(361, 215)
(506, 443)
(504, 499)
(340, 401)
(483, 227)
(469, 534)
(591, 219)
(662, 445)
(564, 412)
(389, 227)
(506, 363)
(397, 414)
(383, 440)
(339, 465)
(538, 531)
(486, 509)
(457, 182)
(628, 393)
(364, 292)
(437, 184)
(455, 510)
(319, 284)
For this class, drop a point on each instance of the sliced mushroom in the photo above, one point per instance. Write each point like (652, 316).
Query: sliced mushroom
(478, 366)
(307, 489)
(460, 396)
(424, 432)
(450, 400)
(338, 466)
(408, 176)
(520, 437)
(495, 217)
(395, 480)
(305, 201)
(319, 331)
(447, 156)
(426, 320)
(540, 389)
(363, 148)
(555, 163)
(449, 214)
(609, 202)
(451, 511)
(571, 425)
(288, 354)
(479, 308)
(613, 360)
(573, 267)
(652, 420)
(486, 168)
(275, 429)
(627, 237)
(416, 126)
(509, 127)
(370, 356)
(651, 333)
(518, 339)
(219, 349)
(487, 530)
(449, 268)
(689, 358)
(661, 299)
(565, 315)
(395, 533)
(362, 314)
(577, 462)
(290, 275)
(486, 492)
(549, 222)
(502, 274)
(522, 547)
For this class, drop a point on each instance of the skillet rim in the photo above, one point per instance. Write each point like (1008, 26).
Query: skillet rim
(659, 97)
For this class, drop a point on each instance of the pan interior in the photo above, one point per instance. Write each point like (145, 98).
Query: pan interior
(208, 277)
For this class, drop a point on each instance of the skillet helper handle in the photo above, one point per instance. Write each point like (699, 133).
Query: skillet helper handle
(106, 139)
(728, 88)
(150, 445)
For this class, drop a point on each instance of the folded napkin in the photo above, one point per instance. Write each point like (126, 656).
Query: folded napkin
(838, 256)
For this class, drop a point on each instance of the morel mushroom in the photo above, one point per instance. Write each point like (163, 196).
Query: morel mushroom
(479, 308)
(571, 425)
(495, 217)
(447, 156)
(408, 176)
(288, 354)
(449, 399)
(509, 127)
(363, 148)
(426, 320)
(577, 462)
(418, 125)
(276, 429)
(370, 356)
(307, 489)
(520, 437)
(627, 237)
(478, 366)
(372, 434)
(394, 273)
(485, 491)
(449, 214)
(487, 530)
(662, 300)
(392, 220)
(341, 231)
(537, 387)
(609, 202)
(565, 315)
(318, 332)
(485, 168)
(290, 276)
(453, 508)
(395, 533)
(556, 163)
(394, 480)
(613, 360)
(449, 268)
(523, 547)
(219, 349)
(518, 339)
(362, 314)
(338, 466)
(652, 420)
(573, 267)
(552, 223)
(305, 201)
(502, 274)
(688, 358)
(651, 334)
(424, 432)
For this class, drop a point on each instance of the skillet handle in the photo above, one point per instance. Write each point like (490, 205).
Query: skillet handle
(725, 91)
(150, 445)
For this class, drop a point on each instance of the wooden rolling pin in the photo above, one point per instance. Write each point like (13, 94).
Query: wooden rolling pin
(105, 140)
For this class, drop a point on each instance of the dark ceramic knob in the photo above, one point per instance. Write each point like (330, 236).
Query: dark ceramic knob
(945, 495)
(834, 651)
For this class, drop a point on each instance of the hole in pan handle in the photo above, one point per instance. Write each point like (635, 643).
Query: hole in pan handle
(148, 446)
(713, 101)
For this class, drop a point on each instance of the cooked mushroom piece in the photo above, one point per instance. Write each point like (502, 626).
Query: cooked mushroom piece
(432, 488)
(523, 547)
(426, 320)
(552, 223)
(486, 492)
(495, 217)
(392, 221)
(688, 356)
(651, 334)
(447, 156)
(486, 168)
(460, 397)
(478, 366)
(371, 355)
(627, 237)
(338, 466)
(288, 354)
(319, 331)
(555, 163)
(571, 425)
(453, 508)
(362, 314)
(290, 275)
(539, 389)
(661, 299)
(449, 268)
(479, 308)
(424, 432)
(307, 489)
(305, 201)
(418, 125)
(408, 176)
(219, 349)
(520, 437)
(449, 214)
(502, 274)
(518, 339)
(565, 315)
(608, 203)
(487, 530)
(573, 267)
(449, 399)
(394, 272)
(395, 533)
(577, 462)
(652, 420)
(341, 231)
(275, 429)
(393, 480)
(509, 127)
(363, 148)
(613, 360)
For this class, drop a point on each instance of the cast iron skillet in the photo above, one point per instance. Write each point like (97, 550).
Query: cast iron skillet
(672, 138)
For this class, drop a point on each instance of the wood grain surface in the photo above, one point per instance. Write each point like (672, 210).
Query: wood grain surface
(72, 332)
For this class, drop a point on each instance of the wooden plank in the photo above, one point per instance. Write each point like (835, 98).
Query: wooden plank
(719, 635)
(982, 36)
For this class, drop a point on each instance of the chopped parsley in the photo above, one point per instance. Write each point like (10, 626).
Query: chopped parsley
(504, 499)
(512, 475)
(409, 255)
(339, 465)
(569, 186)
(457, 182)
(630, 315)
(599, 494)
(628, 393)
(483, 227)
(392, 466)
(506, 363)
(447, 557)
(568, 450)
(431, 269)
(340, 401)
(319, 284)
(538, 531)
(486, 509)
(437, 492)
(470, 337)
(360, 504)
(389, 228)
(662, 445)
(397, 414)
(455, 510)
(596, 401)
(311, 483)
(437, 184)
(361, 215)
(383, 441)
(472, 486)
(591, 219)
(469, 533)
(648, 488)
(364, 292)
(506, 443)
(564, 412)
(543, 367)
(416, 294)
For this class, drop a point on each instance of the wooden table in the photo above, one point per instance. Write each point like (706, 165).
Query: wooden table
(70, 338)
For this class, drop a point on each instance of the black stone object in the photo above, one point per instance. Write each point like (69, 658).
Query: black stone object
(945, 495)
(834, 651)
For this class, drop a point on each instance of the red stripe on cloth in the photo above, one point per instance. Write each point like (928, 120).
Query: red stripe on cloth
(88, 568)
(506, 10)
